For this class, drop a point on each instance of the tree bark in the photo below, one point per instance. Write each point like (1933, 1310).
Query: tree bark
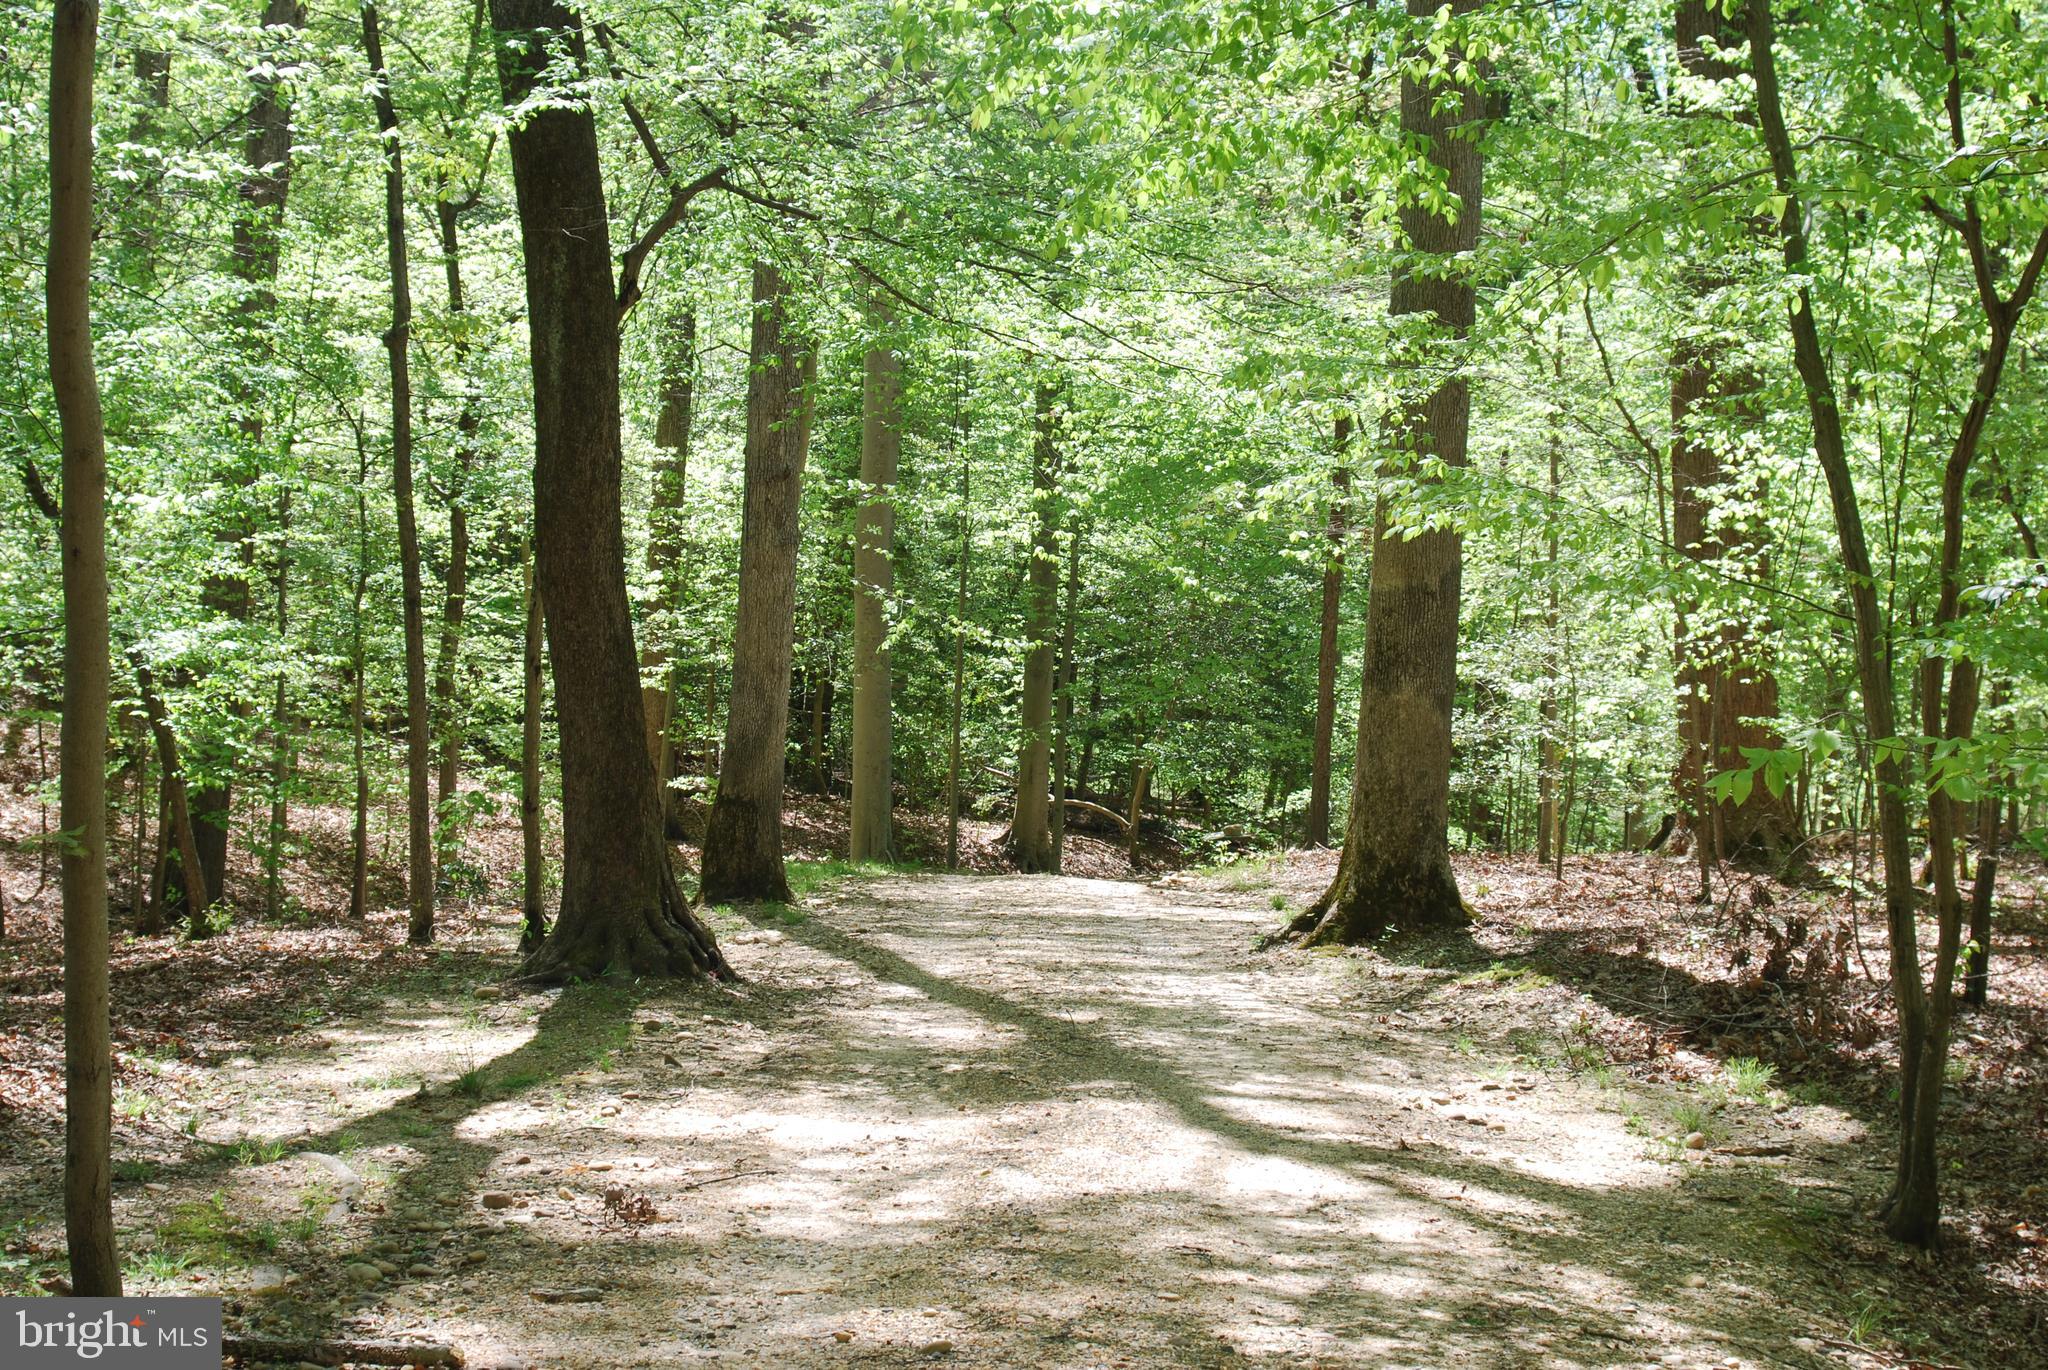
(743, 836)
(1063, 699)
(533, 922)
(82, 804)
(881, 444)
(621, 912)
(398, 345)
(959, 650)
(665, 543)
(455, 592)
(1316, 821)
(257, 248)
(1395, 872)
(1030, 829)
(176, 803)
(358, 667)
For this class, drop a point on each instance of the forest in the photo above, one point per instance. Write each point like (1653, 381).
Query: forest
(1067, 683)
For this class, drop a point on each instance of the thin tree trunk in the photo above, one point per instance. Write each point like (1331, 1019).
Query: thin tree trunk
(622, 911)
(533, 922)
(1395, 872)
(175, 797)
(455, 595)
(959, 656)
(139, 839)
(1063, 699)
(1134, 825)
(82, 803)
(359, 846)
(398, 344)
(881, 444)
(1914, 1212)
(257, 249)
(280, 726)
(1030, 829)
(743, 837)
(1316, 821)
(1977, 958)
(672, 431)
(1549, 829)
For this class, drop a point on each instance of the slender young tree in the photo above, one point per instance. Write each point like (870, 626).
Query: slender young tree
(1913, 1209)
(1316, 821)
(1395, 872)
(622, 911)
(743, 836)
(881, 442)
(468, 421)
(1030, 829)
(398, 345)
(88, 1046)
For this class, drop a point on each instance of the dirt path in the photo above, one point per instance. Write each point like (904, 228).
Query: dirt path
(995, 1121)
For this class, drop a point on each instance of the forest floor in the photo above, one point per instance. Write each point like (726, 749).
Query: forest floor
(995, 1121)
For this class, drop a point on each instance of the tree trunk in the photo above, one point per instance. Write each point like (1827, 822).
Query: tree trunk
(959, 655)
(881, 443)
(358, 668)
(1030, 831)
(398, 344)
(665, 544)
(1316, 821)
(1727, 691)
(455, 594)
(533, 922)
(1913, 1214)
(1063, 700)
(257, 247)
(1134, 826)
(1977, 957)
(176, 802)
(1549, 829)
(1395, 872)
(280, 726)
(622, 912)
(88, 1046)
(743, 836)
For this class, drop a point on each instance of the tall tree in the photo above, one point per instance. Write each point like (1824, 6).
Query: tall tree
(1395, 872)
(258, 247)
(1316, 821)
(665, 530)
(1030, 830)
(743, 836)
(419, 890)
(881, 442)
(468, 421)
(622, 911)
(1913, 1208)
(88, 1048)
(1727, 690)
